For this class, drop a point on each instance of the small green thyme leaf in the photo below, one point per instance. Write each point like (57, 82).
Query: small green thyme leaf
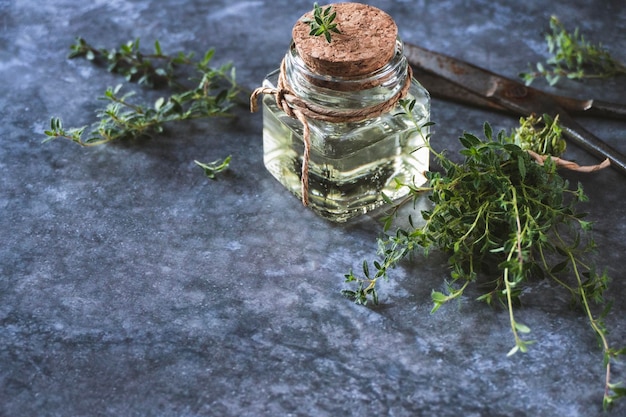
(211, 169)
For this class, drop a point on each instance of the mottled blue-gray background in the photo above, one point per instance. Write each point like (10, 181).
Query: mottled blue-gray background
(132, 285)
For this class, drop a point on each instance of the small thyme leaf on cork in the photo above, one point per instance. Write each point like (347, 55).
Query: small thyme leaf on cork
(322, 23)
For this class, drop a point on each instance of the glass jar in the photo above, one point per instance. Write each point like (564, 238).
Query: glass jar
(350, 164)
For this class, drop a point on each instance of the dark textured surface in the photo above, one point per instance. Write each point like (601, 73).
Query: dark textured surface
(131, 285)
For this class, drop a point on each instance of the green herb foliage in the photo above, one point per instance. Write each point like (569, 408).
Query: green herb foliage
(212, 92)
(502, 219)
(573, 57)
(154, 70)
(322, 23)
(542, 135)
(211, 169)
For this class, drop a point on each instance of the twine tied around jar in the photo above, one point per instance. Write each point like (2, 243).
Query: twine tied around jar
(302, 110)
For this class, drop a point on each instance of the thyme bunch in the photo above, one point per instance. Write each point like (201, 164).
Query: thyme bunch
(502, 219)
(210, 92)
(573, 57)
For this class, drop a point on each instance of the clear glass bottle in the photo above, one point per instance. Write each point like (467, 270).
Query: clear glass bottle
(351, 164)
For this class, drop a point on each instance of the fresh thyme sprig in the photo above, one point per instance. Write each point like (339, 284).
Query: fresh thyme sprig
(573, 57)
(504, 218)
(213, 93)
(153, 70)
(322, 23)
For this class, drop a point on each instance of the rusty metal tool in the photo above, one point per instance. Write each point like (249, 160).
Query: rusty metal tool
(452, 79)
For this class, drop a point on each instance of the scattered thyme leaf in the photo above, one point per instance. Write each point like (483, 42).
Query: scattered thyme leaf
(573, 57)
(211, 169)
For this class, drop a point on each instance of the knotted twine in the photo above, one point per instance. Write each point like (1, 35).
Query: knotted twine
(302, 110)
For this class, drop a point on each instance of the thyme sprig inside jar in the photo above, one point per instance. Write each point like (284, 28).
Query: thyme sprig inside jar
(334, 131)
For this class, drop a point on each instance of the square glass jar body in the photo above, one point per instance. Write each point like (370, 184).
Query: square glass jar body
(351, 164)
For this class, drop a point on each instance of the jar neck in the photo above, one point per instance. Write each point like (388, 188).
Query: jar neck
(346, 92)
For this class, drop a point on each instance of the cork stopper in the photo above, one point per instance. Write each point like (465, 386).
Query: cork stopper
(366, 43)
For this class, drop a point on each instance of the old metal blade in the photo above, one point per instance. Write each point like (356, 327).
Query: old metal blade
(512, 96)
(475, 79)
(441, 88)
(591, 143)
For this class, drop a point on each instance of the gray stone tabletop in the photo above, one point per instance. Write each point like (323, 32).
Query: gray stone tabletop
(132, 285)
